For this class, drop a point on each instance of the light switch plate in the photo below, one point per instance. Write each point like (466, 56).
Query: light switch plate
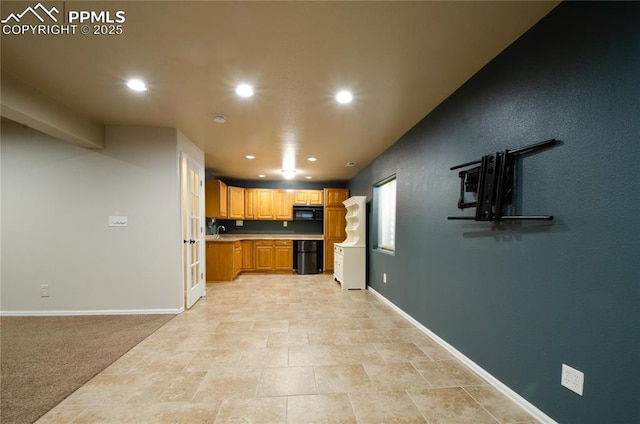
(118, 221)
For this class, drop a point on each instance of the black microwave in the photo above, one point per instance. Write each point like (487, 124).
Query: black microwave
(307, 213)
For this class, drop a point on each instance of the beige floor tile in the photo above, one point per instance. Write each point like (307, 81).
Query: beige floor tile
(344, 337)
(175, 412)
(240, 340)
(271, 326)
(163, 362)
(448, 373)
(211, 359)
(299, 338)
(312, 356)
(385, 407)
(228, 383)
(167, 387)
(405, 335)
(320, 409)
(263, 357)
(433, 349)
(106, 389)
(342, 379)
(61, 414)
(395, 376)
(287, 381)
(499, 405)
(257, 410)
(400, 352)
(234, 327)
(450, 406)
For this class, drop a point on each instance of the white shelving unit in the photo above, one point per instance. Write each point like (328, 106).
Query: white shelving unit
(349, 257)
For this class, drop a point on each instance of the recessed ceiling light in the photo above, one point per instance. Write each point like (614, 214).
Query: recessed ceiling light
(288, 174)
(351, 164)
(244, 90)
(137, 85)
(344, 97)
(219, 118)
(250, 157)
(261, 175)
(312, 159)
(308, 177)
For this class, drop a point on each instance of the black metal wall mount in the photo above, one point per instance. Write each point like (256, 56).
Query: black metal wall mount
(492, 183)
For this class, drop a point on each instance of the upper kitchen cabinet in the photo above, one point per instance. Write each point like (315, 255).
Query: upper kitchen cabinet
(264, 204)
(308, 197)
(216, 199)
(250, 203)
(335, 196)
(283, 205)
(236, 203)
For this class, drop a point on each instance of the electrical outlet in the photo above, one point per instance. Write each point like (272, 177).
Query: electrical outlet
(118, 221)
(44, 290)
(284, 223)
(384, 277)
(572, 379)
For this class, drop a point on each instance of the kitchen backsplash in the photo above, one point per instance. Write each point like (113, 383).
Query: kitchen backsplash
(265, 227)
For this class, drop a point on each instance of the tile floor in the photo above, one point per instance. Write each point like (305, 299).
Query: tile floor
(287, 349)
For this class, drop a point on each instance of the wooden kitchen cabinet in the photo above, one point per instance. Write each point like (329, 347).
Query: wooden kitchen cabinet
(283, 205)
(335, 196)
(308, 197)
(237, 258)
(334, 222)
(263, 255)
(283, 255)
(250, 203)
(215, 199)
(264, 203)
(220, 261)
(247, 255)
(236, 202)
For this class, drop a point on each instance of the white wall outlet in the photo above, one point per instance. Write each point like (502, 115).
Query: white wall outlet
(118, 221)
(572, 379)
(44, 290)
(384, 277)
(284, 223)
(239, 223)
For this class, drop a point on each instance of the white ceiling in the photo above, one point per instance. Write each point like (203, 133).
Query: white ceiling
(400, 60)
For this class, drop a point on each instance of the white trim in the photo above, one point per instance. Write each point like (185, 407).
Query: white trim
(500, 386)
(98, 312)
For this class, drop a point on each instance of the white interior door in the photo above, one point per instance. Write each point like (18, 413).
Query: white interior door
(192, 189)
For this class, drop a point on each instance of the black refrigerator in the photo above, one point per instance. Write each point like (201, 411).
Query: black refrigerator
(308, 259)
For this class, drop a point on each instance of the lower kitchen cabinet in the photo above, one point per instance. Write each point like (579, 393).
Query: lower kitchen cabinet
(221, 260)
(263, 255)
(283, 255)
(247, 255)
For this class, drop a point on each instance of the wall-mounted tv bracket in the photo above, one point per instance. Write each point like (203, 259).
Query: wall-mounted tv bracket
(492, 183)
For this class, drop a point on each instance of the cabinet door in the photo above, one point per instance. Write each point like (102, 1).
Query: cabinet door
(236, 202)
(250, 203)
(335, 196)
(283, 204)
(264, 198)
(237, 259)
(263, 255)
(315, 197)
(300, 197)
(247, 255)
(283, 255)
(329, 254)
(215, 199)
(220, 261)
(334, 223)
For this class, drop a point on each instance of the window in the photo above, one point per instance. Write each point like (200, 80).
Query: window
(386, 208)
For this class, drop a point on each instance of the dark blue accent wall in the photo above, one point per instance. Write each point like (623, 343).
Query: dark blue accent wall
(520, 300)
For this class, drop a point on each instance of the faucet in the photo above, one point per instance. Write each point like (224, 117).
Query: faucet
(218, 230)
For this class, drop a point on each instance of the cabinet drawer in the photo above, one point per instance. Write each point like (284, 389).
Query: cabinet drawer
(283, 242)
(263, 243)
(337, 249)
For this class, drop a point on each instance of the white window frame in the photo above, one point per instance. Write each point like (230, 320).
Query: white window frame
(386, 191)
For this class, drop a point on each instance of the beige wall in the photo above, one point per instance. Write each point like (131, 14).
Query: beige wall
(56, 200)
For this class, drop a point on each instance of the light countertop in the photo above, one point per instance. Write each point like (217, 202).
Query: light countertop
(238, 237)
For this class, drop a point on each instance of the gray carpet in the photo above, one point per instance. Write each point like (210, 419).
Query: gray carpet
(45, 359)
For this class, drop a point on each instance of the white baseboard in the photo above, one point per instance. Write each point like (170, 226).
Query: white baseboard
(98, 312)
(500, 386)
